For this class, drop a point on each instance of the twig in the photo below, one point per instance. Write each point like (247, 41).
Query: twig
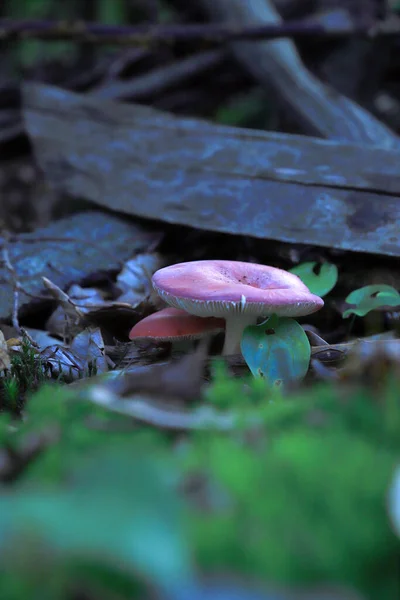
(158, 80)
(15, 283)
(211, 33)
(161, 415)
(278, 66)
(16, 289)
(125, 58)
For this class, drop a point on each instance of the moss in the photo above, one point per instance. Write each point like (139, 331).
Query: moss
(303, 499)
(298, 499)
(27, 374)
(308, 507)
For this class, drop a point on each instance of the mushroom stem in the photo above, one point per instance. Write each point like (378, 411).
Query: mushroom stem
(234, 328)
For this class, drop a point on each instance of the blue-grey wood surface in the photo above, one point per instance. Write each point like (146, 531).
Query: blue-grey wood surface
(143, 162)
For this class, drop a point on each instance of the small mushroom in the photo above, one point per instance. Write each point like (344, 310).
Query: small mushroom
(238, 292)
(175, 325)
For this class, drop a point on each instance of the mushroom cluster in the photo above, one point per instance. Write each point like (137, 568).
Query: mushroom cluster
(237, 292)
(175, 326)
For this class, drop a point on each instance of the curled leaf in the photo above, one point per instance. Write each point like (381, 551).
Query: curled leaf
(370, 298)
(318, 283)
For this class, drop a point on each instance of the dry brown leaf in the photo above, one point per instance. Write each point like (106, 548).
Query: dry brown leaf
(88, 346)
(13, 342)
(5, 363)
(72, 313)
(79, 299)
(61, 361)
(181, 379)
(135, 278)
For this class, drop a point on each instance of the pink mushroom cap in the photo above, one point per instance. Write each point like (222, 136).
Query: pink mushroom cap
(173, 325)
(222, 288)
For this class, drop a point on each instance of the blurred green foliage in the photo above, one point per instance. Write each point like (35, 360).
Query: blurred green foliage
(299, 498)
(246, 109)
(111, 13)
(26, 53)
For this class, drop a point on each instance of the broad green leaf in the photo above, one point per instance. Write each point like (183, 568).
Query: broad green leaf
(371, 297)
(277, 350)
(120, 508)
(321, 283)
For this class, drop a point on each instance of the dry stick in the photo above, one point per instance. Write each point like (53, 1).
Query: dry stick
(318, 109)
(10, 124)
(212, 33)
(15, 283)
(126, 57)
(158, 80)
(158, 414)
(16, 289)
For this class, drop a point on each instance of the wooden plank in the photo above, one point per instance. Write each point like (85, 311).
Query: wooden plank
(147, 163)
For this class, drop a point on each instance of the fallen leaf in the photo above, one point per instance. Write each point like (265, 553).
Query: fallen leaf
(88, 347)
(5, 363)
(135, 278)
(76, 300)
(61, 361)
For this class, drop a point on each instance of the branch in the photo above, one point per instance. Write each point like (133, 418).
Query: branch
(278, 67)
(16, 288)
(15, 283)
(211, 33)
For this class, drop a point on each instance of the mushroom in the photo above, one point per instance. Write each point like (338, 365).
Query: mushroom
(175, 325)
(238, 292)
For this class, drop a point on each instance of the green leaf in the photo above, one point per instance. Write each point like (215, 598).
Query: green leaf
(277, 350)
(119, 507)
(321, 283)
(371, 297)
